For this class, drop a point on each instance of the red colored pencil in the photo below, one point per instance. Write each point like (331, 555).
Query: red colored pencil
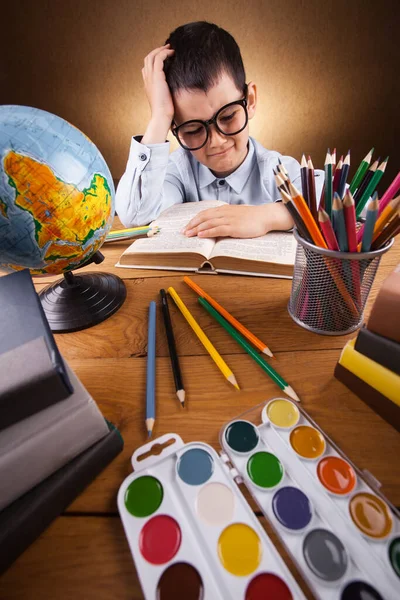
(327, 230)
(350, 220)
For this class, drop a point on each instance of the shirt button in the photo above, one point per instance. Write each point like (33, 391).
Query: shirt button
(142, 156)
(221, 182)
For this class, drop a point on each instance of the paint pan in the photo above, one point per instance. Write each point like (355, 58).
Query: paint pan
(190, 530)
(343, 535)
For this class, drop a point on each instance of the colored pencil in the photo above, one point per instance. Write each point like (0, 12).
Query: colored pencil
(391, 230)
(151, 370)
(307, 217)
(351, 232)
(282, 168)
(328, 184)
(362, 169)
(304, 180)
(371, 186)
(364, 183)
(343, 175)
(298, 221)
(337, 175)
(386, 215)
(333, 157)
(280, 182)
(214, 354)
(230, 318)
(176, 370)
(312, 196)
(284, 386)
(392, 190)
(339, 225)
(372, 214)
(350, 221)
(327, 230)
(121, 235)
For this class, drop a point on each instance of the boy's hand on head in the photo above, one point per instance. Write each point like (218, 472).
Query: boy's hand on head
(157, 90)
(229, 221)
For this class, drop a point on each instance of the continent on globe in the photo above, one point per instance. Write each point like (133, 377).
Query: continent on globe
(56, 193)
(60, 210)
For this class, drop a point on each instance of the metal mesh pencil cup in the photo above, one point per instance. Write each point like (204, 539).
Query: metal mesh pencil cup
(330, 288)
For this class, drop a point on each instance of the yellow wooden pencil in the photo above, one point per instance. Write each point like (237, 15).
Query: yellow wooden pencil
(217, 358)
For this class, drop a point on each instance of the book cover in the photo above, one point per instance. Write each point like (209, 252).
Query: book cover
(26, 390)
(37, 446)
(381, 349)
(385, 408)
(380, 378)
(271, 255)
(25, 519)
(385, 313)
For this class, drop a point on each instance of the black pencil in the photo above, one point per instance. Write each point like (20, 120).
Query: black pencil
(298, 221)
(176, 371)
(304, 179)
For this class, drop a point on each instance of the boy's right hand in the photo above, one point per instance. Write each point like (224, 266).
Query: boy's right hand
(157, 90)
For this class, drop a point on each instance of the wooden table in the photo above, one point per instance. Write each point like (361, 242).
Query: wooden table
(84, 553)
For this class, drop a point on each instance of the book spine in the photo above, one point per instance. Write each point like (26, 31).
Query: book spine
(384, 407)
(382, 350)
(26, 518)
(378, 377)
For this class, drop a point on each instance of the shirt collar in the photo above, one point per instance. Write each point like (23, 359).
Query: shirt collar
(237, 179)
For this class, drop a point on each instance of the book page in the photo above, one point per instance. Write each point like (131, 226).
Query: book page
(170, 240)
(275, 247)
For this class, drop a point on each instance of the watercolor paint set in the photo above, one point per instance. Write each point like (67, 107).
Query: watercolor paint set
(191, 532)
(193, 535)
(341, 532)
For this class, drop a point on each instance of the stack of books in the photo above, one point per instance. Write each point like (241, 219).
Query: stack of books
(370, 364)
(53, 438)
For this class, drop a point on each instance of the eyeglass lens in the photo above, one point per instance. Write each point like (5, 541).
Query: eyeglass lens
(230, 120)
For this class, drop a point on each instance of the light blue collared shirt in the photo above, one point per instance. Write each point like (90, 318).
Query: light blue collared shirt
(155, 180)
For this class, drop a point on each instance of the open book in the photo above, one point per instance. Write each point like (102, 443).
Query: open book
(270, 255)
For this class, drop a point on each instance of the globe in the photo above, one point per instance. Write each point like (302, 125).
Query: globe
(56, 193)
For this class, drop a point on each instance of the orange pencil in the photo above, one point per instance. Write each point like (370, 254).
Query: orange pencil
(385, 216)
(307, 217)
(243, 330)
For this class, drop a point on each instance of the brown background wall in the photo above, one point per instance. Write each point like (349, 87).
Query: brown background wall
(327, 72)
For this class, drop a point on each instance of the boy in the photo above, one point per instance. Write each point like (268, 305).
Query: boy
(196, 86)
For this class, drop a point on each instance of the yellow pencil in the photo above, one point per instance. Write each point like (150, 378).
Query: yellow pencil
(217, 358)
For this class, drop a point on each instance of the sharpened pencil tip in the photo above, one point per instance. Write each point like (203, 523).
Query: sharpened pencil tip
(149, 434)
(236, 386)
(268, 352)
(181, 396)
(289, 391)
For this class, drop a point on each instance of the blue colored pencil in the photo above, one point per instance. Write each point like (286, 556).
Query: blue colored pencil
(151, 370)
(339, 224)
(372, 215)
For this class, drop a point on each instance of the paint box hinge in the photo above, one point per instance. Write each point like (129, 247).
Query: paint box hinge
(371, 479)
(234, 473)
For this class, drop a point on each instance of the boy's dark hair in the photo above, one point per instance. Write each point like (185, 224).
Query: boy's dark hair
(203, 51)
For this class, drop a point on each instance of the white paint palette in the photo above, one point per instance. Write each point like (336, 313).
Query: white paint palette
(192, 534)
(343, 534)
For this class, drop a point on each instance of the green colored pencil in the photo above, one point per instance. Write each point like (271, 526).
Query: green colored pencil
(285, 387)
(362, 169)
(377, 176)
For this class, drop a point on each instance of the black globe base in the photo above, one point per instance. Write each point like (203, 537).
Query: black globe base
(80, 301)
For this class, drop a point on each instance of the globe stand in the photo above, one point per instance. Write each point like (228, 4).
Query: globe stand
(80, 301)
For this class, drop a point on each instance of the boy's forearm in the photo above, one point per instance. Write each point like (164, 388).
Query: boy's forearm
(156, 131)
(277, 217)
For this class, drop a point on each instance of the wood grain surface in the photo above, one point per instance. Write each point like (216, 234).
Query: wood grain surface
(84, 554)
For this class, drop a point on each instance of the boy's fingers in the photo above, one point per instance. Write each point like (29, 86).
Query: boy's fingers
(219, 231)
(204, 215)
(160, 58)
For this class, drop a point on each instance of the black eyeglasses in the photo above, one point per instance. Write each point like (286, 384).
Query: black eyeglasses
(231, 119)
